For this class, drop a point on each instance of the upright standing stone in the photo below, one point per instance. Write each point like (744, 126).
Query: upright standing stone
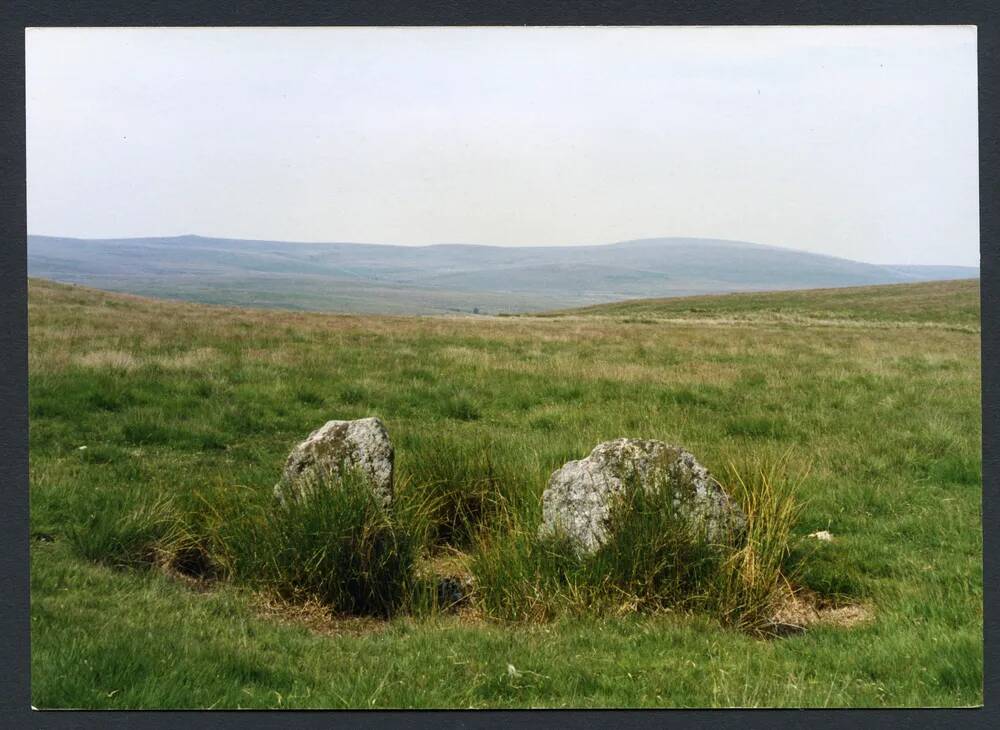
(579, 497)
(362, 445)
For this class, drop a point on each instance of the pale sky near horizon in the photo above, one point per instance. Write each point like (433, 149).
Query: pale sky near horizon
(858, 142)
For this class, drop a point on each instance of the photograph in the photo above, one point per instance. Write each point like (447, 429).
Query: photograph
(504, 367)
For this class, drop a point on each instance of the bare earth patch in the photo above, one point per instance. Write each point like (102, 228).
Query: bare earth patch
(803, 610)
(191, 567)
(311, 613)
(314, 616)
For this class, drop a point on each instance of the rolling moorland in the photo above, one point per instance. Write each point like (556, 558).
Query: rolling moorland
(440, 279)
(149, 417)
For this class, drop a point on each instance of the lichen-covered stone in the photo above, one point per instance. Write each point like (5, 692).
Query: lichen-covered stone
(362, 445)
(579, 497)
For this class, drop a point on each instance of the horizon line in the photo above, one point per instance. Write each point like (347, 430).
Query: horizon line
(491, 245)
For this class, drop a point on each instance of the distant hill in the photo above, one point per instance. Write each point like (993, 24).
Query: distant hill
(445, 278)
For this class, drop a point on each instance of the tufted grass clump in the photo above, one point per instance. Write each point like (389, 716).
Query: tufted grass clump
(654, 556)
(653, 560)
(128, 536)
(756, 577)
(338, 546)
(462, 488)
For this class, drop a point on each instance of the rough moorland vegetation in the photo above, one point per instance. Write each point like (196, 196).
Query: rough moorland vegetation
(163, 575)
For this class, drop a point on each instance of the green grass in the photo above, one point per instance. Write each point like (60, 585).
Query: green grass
(188, 413)
(652, 561)
(945, 303)
(336, 545)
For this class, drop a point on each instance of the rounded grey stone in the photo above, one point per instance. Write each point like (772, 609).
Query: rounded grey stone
(362, 445)
(580, 495)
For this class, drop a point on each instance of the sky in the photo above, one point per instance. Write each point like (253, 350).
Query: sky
(858, 142)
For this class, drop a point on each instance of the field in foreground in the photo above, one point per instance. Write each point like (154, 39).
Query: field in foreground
(877, 394)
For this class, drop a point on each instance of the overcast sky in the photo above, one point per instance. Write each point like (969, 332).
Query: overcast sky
(855, 142)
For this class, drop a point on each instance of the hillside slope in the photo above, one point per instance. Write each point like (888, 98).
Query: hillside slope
(442, 278)
(953, 302)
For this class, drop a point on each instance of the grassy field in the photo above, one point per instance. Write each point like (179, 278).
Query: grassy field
(190, 410)
(938, 303)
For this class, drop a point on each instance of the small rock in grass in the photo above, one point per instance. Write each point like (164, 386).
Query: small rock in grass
(578, 499)
(363, 445)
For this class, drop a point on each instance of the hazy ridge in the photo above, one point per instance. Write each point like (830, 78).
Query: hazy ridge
(446, 277)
